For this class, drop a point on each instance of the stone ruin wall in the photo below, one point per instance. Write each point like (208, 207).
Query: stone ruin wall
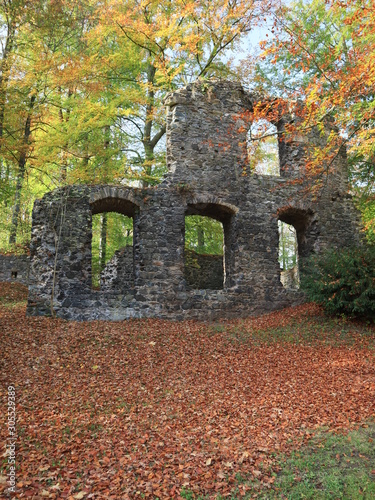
(206, 135)
(203, 271)
(15, 268)
(119, 271)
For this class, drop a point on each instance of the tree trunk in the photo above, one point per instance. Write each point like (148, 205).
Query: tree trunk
(5, 174)
(4, 76)
(149, 143)
(104, 215)
(107, 142)
(21, 172)
(283, 246)
(200, 235)
(64, 120)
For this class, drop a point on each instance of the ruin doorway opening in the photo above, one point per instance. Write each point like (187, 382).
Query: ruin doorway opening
(294, 227)
(112, 244)
(111, 248)
(204, 252)
(263, 148)
(207, 254)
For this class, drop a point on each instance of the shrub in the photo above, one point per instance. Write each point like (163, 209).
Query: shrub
(342, 281)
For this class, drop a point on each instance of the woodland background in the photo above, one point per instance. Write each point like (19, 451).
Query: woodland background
(82, 84)
(280, 406)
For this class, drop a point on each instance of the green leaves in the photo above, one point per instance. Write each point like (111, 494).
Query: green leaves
(204, 235)
(343, 281)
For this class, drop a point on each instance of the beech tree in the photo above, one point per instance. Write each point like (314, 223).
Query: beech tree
(157, 46)
(323, 55)
(16, 107)
(96, 75)
(39, 31)
(81, 91)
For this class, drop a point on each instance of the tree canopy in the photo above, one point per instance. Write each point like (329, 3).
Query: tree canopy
(82, 84)
(322, 54)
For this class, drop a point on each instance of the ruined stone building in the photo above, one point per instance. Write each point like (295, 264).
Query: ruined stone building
(206, 156)
(14, 268)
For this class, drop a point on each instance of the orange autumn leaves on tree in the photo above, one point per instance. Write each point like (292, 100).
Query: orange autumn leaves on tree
(129, 55)
(98, 73)
(323, 55)
(174, 43)
(330, 49)
(33, 33)
(183, 36)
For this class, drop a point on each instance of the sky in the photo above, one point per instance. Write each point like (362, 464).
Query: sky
(250, 43)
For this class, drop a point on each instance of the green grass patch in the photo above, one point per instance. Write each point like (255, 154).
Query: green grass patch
(331, 466)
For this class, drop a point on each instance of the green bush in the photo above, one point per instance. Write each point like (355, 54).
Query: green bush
(342, 281)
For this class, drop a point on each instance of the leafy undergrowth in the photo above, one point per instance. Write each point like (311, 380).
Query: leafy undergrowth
(156, 409)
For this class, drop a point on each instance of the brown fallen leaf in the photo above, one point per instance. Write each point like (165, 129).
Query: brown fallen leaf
(243, 458)
(80, 495)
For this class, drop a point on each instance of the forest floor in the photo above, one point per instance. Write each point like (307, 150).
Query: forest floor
(280, 406)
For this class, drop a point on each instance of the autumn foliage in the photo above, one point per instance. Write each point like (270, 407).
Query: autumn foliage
(322, 53)
(153, 408)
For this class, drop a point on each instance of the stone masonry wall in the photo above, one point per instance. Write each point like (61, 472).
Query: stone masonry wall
(119, 271)
(15, 268)
(203, 271)
(206, 154)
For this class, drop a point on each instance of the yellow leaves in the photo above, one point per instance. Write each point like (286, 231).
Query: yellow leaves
(182, 27)
(92, 70)
(333, 45)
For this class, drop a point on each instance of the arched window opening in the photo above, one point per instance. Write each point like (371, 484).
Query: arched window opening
(288, 256)
(204, 252)
(263, 148)
(112, 251)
